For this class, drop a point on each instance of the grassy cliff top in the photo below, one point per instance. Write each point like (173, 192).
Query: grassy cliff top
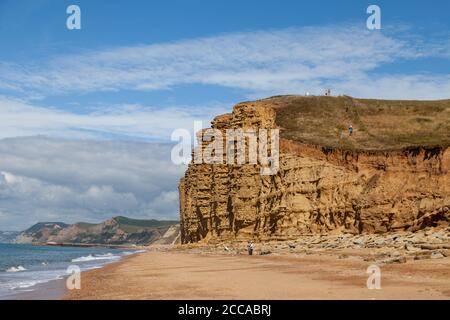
(126, 224)
(377, 124)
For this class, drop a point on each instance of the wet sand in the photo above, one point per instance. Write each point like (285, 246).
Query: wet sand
(52, 290)
(186, 275)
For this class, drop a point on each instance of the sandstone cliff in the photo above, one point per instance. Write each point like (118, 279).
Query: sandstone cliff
(392, 174)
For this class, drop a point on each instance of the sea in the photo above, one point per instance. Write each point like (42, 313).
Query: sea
(23, 266)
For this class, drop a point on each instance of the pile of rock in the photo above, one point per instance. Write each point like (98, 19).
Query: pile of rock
(398, 247)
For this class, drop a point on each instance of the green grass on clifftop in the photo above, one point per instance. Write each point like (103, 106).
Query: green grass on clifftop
(378, 124)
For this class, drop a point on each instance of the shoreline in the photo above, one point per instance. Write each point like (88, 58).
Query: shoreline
(86, 245)
(55, 289)
(190, 274)
(51, 290)
(413, 266)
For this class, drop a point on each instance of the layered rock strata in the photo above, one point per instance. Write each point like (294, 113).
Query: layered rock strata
(317, 189)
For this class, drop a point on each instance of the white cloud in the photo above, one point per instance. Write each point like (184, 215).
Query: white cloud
(259, 62)
(54, 179)
(409, 87)
(69, 181)
(19, 118)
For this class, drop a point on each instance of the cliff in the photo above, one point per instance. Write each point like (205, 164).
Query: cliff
(392, 174)
(116, 231)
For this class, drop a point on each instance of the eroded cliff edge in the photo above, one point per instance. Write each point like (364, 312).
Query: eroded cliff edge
(393, 174)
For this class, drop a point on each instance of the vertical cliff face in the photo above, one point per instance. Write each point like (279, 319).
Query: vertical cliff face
(216, 200)
(317, 189)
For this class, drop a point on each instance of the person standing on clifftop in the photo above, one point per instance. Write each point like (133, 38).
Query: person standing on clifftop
(250, 248)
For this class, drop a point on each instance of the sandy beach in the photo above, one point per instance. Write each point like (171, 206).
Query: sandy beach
(193, 275)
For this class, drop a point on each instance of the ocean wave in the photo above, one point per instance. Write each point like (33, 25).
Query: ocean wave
(107, 256)
(16, 269)
(18, 279)
(127, 253)
(31, 281)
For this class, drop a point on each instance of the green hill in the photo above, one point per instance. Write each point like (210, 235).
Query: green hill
(135, 225)
(378, 124)
(116, 231)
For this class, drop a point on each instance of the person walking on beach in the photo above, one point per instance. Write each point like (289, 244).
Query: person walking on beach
(250, 248)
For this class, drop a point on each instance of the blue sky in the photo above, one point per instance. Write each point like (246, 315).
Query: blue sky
(177, 56)
(100, 103)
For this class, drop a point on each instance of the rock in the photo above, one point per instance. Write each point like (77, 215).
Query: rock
(435, 246)
(446, 253)
(411, 248)
(422, 256)
(380, 242)
(395, 253)
(264, 252)
(437, 255)
(440, 235)
(317, 189)
(399, 259)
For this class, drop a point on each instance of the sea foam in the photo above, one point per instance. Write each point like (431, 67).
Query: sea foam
(16, 269)
(107, 256)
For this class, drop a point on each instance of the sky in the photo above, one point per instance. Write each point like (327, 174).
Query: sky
(86, 115)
